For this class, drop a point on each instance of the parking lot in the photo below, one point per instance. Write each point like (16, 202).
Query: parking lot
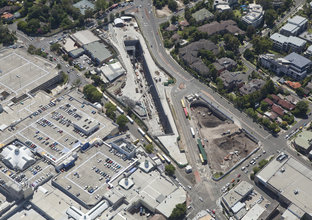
(100, 168)
(39, 172)
(51, 129)
(94, 170)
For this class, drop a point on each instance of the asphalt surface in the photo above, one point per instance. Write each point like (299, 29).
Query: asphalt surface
(206, 188)
(206, 192)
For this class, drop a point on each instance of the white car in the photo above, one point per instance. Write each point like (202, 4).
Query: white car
(243, 168)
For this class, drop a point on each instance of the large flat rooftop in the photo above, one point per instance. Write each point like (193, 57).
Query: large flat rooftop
(21, 72)
(47, 124)
(291, 179)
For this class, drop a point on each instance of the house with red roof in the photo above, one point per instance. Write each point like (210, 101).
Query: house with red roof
(7, 16)
(269, 101)
(275, 98)
(278, 110)
(286, 105)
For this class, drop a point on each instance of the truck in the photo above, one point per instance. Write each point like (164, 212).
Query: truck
(193, 132)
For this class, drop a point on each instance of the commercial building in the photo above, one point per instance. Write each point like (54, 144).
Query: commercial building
(303, 142)
(112, 71)
(293, 65)
(118, 22)
(87, 125)
(98, 52)
(23, 74)
(70, 47)
(254, 16)
(84, 37)
(283, 43)
(294, 26)
(243, 202)
(290, 181)
(125, 147)
(17, 158)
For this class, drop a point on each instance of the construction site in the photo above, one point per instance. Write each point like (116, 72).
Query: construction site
(224, 142)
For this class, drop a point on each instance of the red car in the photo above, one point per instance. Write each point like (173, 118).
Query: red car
(238, 176)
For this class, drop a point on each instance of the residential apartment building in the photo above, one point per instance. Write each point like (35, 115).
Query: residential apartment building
(294, 26)
(293, 65)
(291, 43)
(254, 16)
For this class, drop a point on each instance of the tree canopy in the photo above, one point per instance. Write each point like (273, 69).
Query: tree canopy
(301, 109)
(110, 110)
(169, 169)
(6, 36)
(178, 212)
(41, 18)
(91, 93)
(122, 120)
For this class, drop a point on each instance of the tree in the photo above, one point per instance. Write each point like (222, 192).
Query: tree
(110, 110)
(172, 5)
(178, 212)
(91, 93)
(174, 19)
(55, 47)
(231, 42)
(261, 44)
(101, 5)
(169, 169)
(6, 36)
(301, 109)
(251, 30)
(207, 54)
(249, 55)
(264, 106)
(270, 16)
(122, 121)
(149, 148)
(300, 92)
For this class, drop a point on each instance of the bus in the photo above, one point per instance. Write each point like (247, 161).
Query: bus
(201, 158)
(182, 103)
(105, 96)
(120, 110)
(162, 159)
(193, 133)
(185, 112)
(149, 140)
(141, 132)
(167, 159)
(130, 119)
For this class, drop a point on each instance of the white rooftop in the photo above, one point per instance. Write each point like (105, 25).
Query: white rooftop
(84, 37)
(17, 158)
